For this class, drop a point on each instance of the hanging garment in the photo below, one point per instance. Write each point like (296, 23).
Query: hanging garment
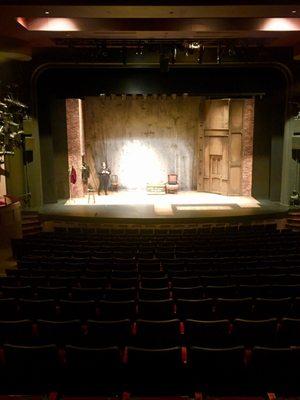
(73, 176)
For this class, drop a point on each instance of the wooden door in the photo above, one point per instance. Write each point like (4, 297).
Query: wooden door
(216, 133)
(215, 178)
(221, 163)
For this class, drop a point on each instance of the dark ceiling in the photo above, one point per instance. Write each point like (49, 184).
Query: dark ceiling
(29, 28)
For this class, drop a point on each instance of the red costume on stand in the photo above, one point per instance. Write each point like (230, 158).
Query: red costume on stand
(73, 176)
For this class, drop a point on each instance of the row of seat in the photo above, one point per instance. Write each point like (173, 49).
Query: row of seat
(148, 371)
(127, 279)
(132, 251)
(152, 334)
(161, 293)
(187, 257)
(205, 309)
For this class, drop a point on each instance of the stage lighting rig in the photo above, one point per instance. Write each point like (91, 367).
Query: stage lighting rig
(12, 114)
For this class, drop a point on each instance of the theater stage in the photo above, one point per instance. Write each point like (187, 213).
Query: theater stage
(137, 206)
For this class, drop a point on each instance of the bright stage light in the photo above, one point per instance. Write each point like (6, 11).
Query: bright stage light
(49, 24)
(140, 165)
(280, 24)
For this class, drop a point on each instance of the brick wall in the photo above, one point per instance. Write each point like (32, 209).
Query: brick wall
(248, 147)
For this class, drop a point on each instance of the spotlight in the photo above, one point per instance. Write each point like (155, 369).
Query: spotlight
(194, 45)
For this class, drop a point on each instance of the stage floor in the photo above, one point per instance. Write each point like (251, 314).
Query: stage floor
(140, 205)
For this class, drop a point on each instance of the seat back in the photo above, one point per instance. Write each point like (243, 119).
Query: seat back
(255, 332)
(60, 332)
(157, 334)
(195, 309)
(116, 310)
(156, 309)
(207, 333)
(108, 333)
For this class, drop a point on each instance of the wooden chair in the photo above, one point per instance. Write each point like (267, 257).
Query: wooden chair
(172, 186)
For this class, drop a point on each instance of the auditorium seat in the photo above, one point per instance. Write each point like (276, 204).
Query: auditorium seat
(282, 291)
(36, 309)
(78, 309)
(215, 371)
(214, 280)
(95, 273)
(244, 279)
(34, 281)
(121, 294)
(90, 282)
(67, 281)
(156, 309)
(153, 274)
(18, 292)
(125, 273)
(154, 293)
(60, 332)
(157, 334)
(108, 333)
(154, 371)
(121, 283)
(148, 264)
(97, 263)
(93, 371)
(159, 282)
(31, 369)
(228, 291)
(8, 309)
(272, 308)
(289, 332)
(116, 310)
(195, 309)
(252, 332)
(185, 281)
(87, 293)
(56, 293)
(254, 290)
(275, 369)
(124, 258)
(192, 293)
(234, 308)
(16, 332)
(274, 279)
(207, 333)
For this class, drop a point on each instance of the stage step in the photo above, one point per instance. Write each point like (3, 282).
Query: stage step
(31, 223)
(293, 220)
